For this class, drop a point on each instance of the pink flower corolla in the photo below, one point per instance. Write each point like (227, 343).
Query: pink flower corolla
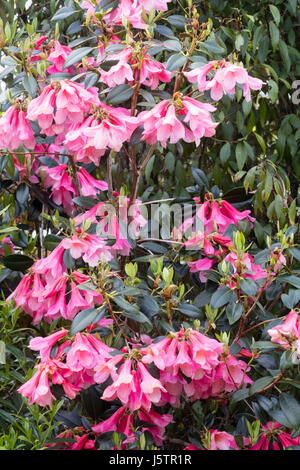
(130, 9)
(37, 389)
(131, 66)
(207, 242)
(121, 71)
(28, 295)
(158, 423)
(79, 435)
(43, 296)
(274, 436)
(221, 440)
(188, 351)
(115, 423)
(57, 56)
(132, 384)
(107, 128)
(62, 185)
(111, 216)
(52, 266)
(244, 266)
(15, 129)
(91, 248)
(55, 297)
(82, 355)
(216, 216)
(44, 345)
(224, 80)
(61, 104)
(277, 260)
(90, 186)
(156, 4)
(6, 241)
(107, 369)
(288, 333)
(170, 121)
(229, 376)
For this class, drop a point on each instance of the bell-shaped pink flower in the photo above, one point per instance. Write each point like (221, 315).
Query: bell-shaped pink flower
(15, 130)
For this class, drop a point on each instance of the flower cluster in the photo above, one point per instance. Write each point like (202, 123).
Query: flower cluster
(288, 333)
(226, 77)
(85, 360)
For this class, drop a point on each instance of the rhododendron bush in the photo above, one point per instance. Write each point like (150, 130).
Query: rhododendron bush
(149, 233)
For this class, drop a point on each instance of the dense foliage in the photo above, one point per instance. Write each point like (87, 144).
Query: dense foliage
(149, 233)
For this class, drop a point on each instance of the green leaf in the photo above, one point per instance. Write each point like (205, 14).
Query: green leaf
(241, 155)
(291, 408)
(292, 280)
(221, 297)
(261, 142)
(200, 177)
(90, 80)
(263, 345)
(149, 306)
(51, 241)
(175, 62)
(240, 395)
(260, 384)
(127, 306)
(178, 21)
(248, 286)
(225, 152)
(284, 52)
(85, 317)
(276, 14)
(119, 94)
(234, 312)
(291, 299)
(17, 262)
(172, 45)
(77, 56)
(275, 35)
(273, 91)
(30, 85)
(63, 13)
(189, 310)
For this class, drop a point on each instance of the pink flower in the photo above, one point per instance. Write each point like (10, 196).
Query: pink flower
(37, 389)
(198, 75)
(122, 386)
(107, 128)
(112, 423)
(6, 241)
(61, 104)
(158, 423)
(44, 345)
(220, 440)
(81, 355)
(62, 185)
(245, 267)
(150, 386)
(230, 375)
(15, 130)
(153, 72)
(57, 57)
(119, 73)
(288, 333)
(273, 434)
(162, 122)
(89, 185)
(225, 79)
